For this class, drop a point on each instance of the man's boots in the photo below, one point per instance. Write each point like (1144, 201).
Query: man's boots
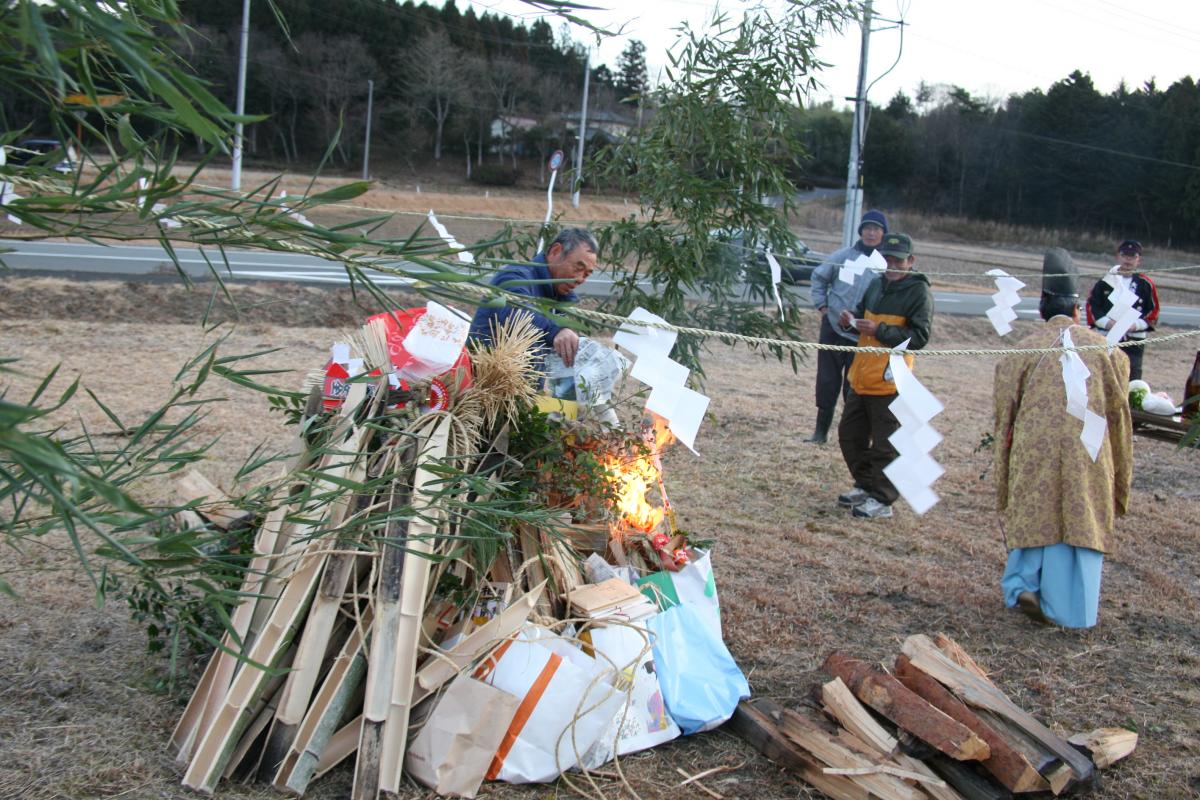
(824, 420)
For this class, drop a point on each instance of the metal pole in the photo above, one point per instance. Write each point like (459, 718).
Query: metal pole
(587, 73)
(367, 140)
(236, 180)
(854, 192)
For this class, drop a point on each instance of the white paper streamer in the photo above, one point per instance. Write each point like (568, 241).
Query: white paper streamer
(7, 195)
(463, 254)
(669, 398)
(776, 277)
(296, 215)
(914, 471)
(1005, 299)
(1122, 313)
(1075, 374)
(849, 271)
(157, 209)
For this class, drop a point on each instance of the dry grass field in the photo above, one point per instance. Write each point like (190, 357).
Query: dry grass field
(798, 577)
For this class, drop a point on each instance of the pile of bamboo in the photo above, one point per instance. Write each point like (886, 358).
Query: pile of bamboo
(343, 624)
(934, 727)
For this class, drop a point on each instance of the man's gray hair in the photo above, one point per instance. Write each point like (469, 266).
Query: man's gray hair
(570, 238)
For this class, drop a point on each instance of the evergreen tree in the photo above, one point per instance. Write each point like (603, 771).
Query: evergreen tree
(631, 79)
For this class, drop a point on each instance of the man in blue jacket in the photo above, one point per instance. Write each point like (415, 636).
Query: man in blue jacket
(831, 296)
(568, 262)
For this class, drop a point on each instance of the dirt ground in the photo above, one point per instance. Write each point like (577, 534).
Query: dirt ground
(798, 577)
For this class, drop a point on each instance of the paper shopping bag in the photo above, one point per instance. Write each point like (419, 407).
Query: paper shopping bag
(452, 752)
(693, 584)
(565, 705)
(642, 720)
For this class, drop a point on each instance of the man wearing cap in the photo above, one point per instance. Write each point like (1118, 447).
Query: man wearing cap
(1058, 505)
(831, 296)
(897, 307)
(1129, 258)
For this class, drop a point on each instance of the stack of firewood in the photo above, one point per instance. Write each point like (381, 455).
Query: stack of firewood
(934, 727)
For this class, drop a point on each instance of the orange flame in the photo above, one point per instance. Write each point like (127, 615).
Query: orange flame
(635, 476)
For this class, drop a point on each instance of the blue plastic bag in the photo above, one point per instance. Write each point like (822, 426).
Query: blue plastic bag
(701, 683)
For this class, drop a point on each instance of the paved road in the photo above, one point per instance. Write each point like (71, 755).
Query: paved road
(149, 262)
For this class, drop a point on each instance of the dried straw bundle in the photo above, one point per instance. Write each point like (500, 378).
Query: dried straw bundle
(507, 373)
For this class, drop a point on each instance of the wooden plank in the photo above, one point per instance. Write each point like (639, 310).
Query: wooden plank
(1005, 764)
(1107, 745)
(804, 732)
(841, 704)
(979, 692)
(755, 721)
(893, 700)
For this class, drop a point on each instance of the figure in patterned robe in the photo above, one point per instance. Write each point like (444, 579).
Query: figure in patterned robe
(1058, 506)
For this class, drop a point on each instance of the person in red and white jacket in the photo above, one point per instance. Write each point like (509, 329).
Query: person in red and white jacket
(1129, 258)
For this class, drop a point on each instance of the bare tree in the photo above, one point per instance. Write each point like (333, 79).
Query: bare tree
(506, 80)
(336, 69)
(437, 81)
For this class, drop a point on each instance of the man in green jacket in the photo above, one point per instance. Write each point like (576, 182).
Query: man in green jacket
(897, 306)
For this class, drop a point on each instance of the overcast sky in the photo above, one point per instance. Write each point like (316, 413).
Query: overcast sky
(991, 49)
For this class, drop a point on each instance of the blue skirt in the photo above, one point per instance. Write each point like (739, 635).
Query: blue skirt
(1065, 578)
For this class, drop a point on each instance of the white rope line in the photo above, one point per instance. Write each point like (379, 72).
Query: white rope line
(614, 320)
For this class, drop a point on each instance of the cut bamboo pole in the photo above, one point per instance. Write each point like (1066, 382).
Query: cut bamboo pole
(220, 740)
(843, 706)
(340, 746)
(212, 503)
(982, 693)
(328, 707)
(263, 713)
(381, 663)
(428, 518)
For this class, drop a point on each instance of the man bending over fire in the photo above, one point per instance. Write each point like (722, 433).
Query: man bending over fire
(568, 262)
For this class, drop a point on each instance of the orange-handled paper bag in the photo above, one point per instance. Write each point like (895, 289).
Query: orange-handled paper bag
(566, 704)
(454, 749)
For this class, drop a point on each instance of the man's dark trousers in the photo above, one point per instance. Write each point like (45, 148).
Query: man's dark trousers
(832, 366)
(1134, 354)
(863, 434)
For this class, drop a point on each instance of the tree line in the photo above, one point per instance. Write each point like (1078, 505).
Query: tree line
(1126, 163)
(441, 78)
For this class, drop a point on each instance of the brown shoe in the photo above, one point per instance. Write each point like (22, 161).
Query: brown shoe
(1031, 606)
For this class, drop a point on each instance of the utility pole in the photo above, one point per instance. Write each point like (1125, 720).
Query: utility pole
(367, 139)
(236, 180)
(854, 192)
(587, 74)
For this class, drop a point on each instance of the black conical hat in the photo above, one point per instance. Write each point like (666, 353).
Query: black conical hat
(1060, 276)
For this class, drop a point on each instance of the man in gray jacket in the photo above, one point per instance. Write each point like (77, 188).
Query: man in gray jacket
(831, 296)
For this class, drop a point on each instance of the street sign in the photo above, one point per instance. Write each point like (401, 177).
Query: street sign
(556, 160)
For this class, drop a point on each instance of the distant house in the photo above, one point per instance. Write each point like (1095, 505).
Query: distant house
(506, 127)
(613, 126)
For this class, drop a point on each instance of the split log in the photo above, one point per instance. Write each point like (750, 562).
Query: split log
(1005, 764)
(982, 693)
(966, 780)
(841, 704)
(755, 721)
(1059, 778)
(1107, 745)
(960, 656)
(893, 700)
(808, 735)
